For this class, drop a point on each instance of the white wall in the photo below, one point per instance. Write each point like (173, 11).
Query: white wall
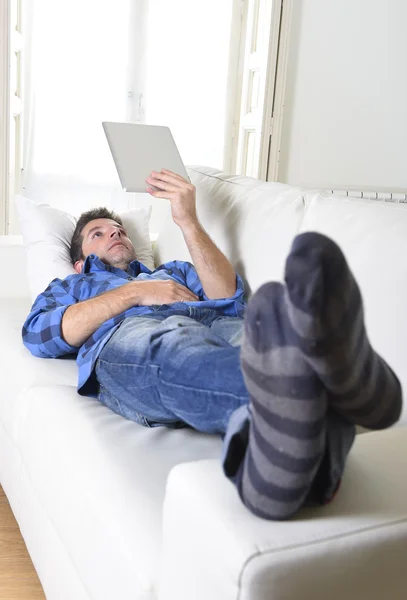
(345, 115)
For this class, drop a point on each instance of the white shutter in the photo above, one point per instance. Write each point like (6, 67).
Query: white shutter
(16, 45)
(4, 112)
(10, 109)
(253, 123)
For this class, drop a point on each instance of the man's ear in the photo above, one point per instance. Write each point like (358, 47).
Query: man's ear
(78, 266)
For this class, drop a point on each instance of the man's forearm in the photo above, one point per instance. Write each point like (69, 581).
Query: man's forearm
(81, 320)
(217, 275)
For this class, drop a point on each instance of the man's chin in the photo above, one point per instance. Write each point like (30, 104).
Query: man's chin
(121, 258)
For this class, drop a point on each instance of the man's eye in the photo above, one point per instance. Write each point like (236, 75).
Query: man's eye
(96, 233)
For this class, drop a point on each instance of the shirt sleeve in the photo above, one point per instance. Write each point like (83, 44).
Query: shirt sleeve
(42, 333)
(186, 274)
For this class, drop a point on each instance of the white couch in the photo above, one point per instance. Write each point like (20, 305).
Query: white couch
(110, 510)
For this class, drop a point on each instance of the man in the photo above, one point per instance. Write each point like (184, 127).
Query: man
(166, 348)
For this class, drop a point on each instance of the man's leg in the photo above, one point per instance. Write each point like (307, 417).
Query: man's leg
(173, 371)
(286, 432)
(326, 312)
(311, 373)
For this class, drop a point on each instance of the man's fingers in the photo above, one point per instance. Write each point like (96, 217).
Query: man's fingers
(169, 177)
(187, 295)
(184, 292)
(161, 194)
(164, 178)
(167, 172)
(163, 185)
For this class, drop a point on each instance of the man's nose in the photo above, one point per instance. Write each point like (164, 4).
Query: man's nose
(115, 232)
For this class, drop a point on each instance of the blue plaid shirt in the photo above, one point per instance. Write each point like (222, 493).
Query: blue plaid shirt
(42, 329)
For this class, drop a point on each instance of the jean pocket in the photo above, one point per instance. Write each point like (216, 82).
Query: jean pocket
(141, 420)
(109, 400)
(170, 424)
(121, 409)
(159, 307)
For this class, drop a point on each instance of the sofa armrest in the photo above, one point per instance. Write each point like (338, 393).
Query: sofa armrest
(355, 547)
(12, 260)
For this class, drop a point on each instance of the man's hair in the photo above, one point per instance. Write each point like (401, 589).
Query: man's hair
(84, 219)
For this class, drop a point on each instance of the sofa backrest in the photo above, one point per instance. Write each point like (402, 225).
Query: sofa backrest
(254, 224)
(373, 236)
(251, 221)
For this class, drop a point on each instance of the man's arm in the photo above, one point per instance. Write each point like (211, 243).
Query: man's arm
(217, 275)
(81, 320)
(58, 324)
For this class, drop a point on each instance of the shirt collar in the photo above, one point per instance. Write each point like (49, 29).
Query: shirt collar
(93, 264)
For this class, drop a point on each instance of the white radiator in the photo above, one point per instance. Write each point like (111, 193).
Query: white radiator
(386, 196)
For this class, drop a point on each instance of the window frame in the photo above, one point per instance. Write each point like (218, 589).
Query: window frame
(10, 111)
(5, 111)
(272, 100)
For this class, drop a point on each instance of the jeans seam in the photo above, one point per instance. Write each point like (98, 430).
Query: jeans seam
(122, 364)
(142, 419)
(192, 388)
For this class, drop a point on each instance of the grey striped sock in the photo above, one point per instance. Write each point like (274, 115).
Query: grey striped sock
(288, 409)
(326, 311)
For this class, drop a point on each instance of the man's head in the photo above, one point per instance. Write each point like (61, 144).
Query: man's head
(101, 232)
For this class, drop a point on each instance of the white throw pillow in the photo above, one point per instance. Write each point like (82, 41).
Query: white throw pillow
(47, 234)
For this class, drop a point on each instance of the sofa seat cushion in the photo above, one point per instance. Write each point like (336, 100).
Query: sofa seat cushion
(373, 237)
(19, 369)
(353, 548)
(97, 473)
(12, 259)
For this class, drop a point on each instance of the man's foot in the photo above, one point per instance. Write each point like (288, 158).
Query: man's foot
(287, 405)
(325, 308)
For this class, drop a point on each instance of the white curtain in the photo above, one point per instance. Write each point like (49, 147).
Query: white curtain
(87, 61)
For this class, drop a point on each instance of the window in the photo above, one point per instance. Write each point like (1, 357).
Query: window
(219, 100)
(137, 62)
(260, 87)
(253, 62)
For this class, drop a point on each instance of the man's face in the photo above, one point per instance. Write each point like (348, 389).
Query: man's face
(108, 240)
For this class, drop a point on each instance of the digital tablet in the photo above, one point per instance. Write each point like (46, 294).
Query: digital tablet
(139, 149)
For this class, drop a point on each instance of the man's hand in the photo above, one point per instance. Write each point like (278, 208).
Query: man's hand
(179, 191)
(148, 293)
(215, 272)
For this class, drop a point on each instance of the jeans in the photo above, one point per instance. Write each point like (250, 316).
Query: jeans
(181, 368)
(174, 369)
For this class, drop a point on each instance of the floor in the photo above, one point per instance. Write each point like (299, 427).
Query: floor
(18, 579)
